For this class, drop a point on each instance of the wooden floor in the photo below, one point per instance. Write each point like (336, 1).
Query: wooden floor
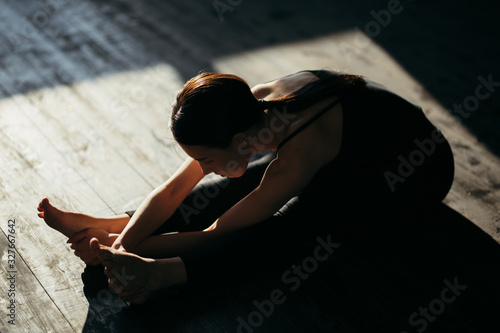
(85, 93)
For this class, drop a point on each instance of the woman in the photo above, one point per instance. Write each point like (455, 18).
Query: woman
(313, 153)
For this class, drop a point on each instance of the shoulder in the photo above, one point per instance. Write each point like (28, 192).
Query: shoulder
(318, 143)
(283, 86)
(261, 91)
(284, 177)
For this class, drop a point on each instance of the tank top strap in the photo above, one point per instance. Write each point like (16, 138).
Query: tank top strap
(307, 123)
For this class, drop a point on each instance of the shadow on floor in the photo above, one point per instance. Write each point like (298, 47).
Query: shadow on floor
(446, 45)
(436, 272)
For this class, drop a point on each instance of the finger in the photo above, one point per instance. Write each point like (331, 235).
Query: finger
(111, 287)
(106, 258)
(42, 215)
(104, 253)
(107, 261)
(116, 285)
(78, 236)
(108, 271)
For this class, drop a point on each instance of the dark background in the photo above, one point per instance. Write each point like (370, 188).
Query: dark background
(445, 45)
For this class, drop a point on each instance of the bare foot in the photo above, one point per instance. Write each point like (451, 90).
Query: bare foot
(65, 222)
(134, 277)
(69, 223)
(80, 242)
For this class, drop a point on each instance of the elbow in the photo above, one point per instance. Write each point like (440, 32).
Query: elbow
(216, 231)
(212, 228)
(168, 193)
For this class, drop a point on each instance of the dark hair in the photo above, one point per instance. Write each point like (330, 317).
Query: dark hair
(213, 107)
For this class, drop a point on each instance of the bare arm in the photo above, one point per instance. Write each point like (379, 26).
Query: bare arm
(159, 205)
(282, 180)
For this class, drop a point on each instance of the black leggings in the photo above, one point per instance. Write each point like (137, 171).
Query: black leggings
(259, 247)
(338, 205)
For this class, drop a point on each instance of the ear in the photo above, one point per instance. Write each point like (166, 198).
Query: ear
(240, 140)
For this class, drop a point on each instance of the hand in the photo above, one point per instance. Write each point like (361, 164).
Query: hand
(117, 245)
(80, 242)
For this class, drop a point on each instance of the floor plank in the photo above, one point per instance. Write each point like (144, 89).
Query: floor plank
(34, 309)
(31, 162)
(86, 89)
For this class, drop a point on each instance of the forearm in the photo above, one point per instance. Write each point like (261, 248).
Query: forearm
(175, 244)
(149, 216)
(159, 206)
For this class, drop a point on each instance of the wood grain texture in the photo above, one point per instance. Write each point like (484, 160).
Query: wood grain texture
(86, 88)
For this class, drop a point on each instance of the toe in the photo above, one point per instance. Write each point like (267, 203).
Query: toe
(114, 283)
(103, 252)
(94, 244)
(49, 208)
(40, 207)
(44, 204)
(107, 271)
(117, 286)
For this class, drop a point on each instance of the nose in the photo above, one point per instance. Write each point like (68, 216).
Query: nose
(206, 170)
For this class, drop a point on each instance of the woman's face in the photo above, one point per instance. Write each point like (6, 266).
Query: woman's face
(228, 162)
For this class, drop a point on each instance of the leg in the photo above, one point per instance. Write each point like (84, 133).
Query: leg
(69, 223)
(198, 211)
(80, 228)
(271, 245)
(358, 204)
(134, 277)
(255, 248)
(302, 225)
(205, 204)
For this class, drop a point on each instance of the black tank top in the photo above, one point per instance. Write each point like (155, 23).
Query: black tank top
(307, 123)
